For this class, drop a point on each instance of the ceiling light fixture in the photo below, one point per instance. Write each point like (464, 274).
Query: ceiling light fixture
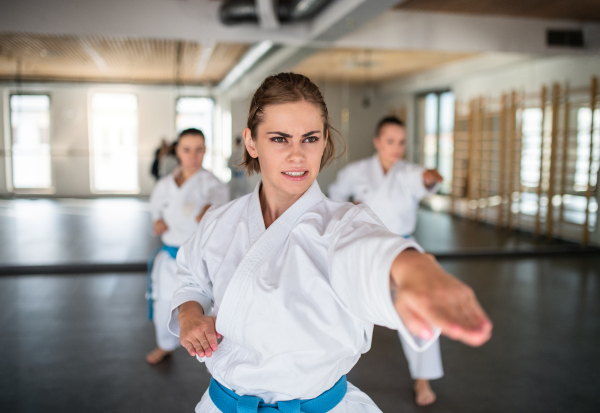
(246, 62)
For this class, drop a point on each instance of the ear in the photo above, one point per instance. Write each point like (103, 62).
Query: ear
(250, 143)
(376, 142)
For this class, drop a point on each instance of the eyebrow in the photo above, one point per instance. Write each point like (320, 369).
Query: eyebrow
(286, 135)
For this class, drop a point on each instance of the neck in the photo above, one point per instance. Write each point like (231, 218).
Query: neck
(185, 174)
(273, 203)
(386, 165)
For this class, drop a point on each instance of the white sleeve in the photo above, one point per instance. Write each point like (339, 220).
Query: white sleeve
(194, 284)
(218, 192)
(415, 179)
(157, 200)
(341, 189)
(360, 260)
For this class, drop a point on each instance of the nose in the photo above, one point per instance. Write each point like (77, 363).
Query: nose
(296, 154)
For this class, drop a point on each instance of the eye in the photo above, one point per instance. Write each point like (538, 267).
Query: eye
(311, 139)
(278, 139)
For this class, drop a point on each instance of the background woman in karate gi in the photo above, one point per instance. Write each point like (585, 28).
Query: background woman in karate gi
(279, 290)
(178, 202)
(393, 188)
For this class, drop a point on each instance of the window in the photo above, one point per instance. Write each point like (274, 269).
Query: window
(114, 143)
(576, 203)
(196, 112)
(582, 165)
(531, 130)
(30, 146)
(436, 122)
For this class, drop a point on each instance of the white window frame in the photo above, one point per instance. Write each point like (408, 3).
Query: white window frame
(8, 145)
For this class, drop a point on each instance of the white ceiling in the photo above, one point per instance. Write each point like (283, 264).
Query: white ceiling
(345, 23)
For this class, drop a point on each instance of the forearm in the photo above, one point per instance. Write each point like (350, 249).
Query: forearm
(407, 262)
(201, 214)
(190, 307)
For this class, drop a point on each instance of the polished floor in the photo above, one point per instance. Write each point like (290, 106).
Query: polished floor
(75, 231)
(50, 232)
(76, 344)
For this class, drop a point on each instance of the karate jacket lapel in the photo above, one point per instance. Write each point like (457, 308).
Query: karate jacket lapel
(264, 244)
(379, 183)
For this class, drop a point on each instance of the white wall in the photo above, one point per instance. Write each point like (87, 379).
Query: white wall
(69, 130)
(494, 74)
(358, 132)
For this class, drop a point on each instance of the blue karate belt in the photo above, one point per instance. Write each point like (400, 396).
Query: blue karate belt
(406, 236)
(173, 253)
(229, 402)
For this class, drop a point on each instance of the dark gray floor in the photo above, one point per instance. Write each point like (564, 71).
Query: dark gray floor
(119, 230)
(77, 344)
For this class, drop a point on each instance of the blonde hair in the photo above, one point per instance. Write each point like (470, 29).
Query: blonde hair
(288, 88)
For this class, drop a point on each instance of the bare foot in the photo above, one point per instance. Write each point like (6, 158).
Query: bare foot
(157, 355)
(424, 395)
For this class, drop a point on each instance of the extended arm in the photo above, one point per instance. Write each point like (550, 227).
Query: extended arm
(366, 257)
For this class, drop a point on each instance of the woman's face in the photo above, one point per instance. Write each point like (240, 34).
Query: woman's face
(190, 151)
(391, 143)
(289, 146)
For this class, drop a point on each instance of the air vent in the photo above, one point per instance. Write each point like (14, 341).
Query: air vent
(564, 38)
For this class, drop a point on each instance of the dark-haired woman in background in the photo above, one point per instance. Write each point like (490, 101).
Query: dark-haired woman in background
(178, 202)
(393, 188)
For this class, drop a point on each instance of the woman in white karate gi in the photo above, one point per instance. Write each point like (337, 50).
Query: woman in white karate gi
(393, 188)
(178, 202)
(279, 290)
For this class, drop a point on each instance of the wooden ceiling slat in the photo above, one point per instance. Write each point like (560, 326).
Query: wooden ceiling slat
(71, 58)
(359, 65)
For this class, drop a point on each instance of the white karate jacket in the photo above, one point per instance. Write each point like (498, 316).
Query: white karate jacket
(295, 303)
(394, 197)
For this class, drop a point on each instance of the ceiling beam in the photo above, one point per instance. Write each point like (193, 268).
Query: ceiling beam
(267, 15)
(338, 19)
(410, 30)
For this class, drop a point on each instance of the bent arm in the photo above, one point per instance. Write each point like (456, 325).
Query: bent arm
(194, 284)
(423, 182)
(157, 201)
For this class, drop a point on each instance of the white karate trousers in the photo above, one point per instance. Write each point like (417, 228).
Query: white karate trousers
(426, 364)
(164, 284)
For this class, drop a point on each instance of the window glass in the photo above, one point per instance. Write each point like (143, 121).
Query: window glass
(114, 142)
(30, 149)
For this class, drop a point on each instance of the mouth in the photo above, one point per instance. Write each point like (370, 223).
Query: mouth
(295, 175)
